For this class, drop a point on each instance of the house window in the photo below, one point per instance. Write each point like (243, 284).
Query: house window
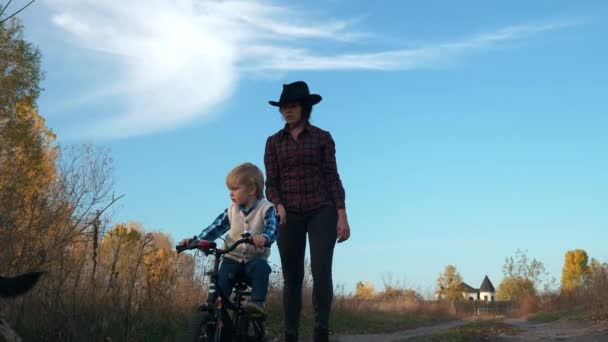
(485, 298)
(492, 298)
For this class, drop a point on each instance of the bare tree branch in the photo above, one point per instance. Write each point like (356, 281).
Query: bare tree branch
(5, 7)
(17, 12)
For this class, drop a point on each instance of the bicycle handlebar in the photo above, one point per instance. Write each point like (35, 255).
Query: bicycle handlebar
(211, 247)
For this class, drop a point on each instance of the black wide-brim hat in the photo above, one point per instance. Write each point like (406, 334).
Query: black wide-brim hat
(296, 92)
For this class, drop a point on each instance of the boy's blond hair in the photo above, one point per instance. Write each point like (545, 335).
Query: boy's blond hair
(246, 174)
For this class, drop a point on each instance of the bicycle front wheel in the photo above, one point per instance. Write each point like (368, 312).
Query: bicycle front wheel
(201, 328)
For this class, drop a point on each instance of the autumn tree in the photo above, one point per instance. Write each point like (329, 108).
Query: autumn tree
(594, 266)
(364, 290)
(45, 191)
(160, 268)
(522, 276)
(27, 154)
(396, 290)
(393, 293)
(98, 282)
(576, 270)
(26, 157)
(514, 289)
(20, 73)
(448, 283)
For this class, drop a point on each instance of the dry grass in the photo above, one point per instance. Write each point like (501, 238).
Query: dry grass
(588, 302)
(351, 315)
(528, 305)
(393, 305)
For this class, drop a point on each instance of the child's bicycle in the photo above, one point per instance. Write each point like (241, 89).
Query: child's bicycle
(212, 321)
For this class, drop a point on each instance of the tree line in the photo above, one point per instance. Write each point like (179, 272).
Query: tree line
(527, 277)
(100, 280)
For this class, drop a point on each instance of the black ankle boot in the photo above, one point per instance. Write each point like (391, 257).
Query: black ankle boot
(291, 338)
(321, 335)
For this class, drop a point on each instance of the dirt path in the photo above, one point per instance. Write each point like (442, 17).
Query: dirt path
(560, 330)
(401, 335)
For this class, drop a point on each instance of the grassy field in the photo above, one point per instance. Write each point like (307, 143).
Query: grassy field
(577, 313)
(357, 322)
(349, 316)
(355, 316)
(544, 317)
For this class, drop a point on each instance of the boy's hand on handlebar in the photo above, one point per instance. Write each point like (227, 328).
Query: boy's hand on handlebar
(185, 242)
(259, 241)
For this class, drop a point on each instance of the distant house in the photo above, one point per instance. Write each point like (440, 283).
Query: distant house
(468, 292)
(486, 291)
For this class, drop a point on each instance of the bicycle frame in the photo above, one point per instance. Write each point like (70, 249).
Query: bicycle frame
(226, 328)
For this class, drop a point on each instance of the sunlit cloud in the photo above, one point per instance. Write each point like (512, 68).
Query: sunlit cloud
(177, 60)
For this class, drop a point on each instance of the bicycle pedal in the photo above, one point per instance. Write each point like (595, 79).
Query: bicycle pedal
(258, 317)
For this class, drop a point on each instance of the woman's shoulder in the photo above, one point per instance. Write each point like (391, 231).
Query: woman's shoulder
(319, 131)
(276, 135)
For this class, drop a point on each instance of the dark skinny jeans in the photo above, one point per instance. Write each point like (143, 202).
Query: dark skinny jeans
(320, 225)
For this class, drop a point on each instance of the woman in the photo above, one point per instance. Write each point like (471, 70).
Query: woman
(304, 184)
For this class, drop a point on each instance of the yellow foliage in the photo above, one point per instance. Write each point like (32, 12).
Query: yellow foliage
(364, 290)
(159, 263)
(27, 175)
(448, 283)
(576, 269)
(393, 293)
(27, 157)
(515, 289)
(51, 202)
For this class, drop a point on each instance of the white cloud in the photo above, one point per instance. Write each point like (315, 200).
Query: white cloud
(177, 59)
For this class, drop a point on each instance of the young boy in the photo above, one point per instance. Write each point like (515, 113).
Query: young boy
(249, 212)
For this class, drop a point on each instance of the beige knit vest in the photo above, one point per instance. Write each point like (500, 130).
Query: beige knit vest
(254, 223)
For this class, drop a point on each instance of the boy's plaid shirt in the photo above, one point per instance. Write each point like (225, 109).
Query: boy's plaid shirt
(302, 175)
(221, 225)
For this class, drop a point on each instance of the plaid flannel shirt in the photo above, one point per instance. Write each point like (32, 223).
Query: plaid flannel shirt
(302, 174)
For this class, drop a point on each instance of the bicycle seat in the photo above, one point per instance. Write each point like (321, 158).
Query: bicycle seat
(241, 281)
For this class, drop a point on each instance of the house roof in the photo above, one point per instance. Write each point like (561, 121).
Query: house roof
(464, 287)
(486, 285)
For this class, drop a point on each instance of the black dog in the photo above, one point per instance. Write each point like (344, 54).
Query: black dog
(16, 286)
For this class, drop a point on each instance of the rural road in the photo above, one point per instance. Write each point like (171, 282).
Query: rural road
(561, 330)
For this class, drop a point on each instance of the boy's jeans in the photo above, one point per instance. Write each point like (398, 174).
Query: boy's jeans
(257, 270)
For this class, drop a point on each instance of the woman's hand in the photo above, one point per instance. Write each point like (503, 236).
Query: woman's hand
(343, 227)
(282, 215)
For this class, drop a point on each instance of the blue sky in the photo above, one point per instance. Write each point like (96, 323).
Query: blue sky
(464, 130)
